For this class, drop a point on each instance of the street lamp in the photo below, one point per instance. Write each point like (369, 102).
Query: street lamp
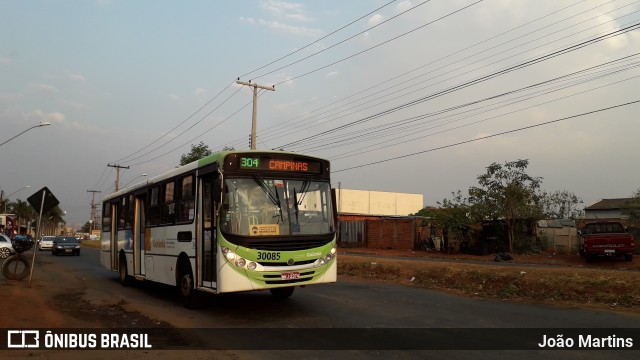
(34, 126)
(139, 176)
(8, 196)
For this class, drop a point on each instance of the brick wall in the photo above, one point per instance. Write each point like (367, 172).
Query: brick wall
(388, 233)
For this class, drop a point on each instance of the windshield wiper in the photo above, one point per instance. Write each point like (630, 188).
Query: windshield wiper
(303, 191)
(275, 199)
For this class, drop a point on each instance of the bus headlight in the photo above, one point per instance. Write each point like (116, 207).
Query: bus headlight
(252, 266)
(230, 255)
(321, 261)
(329, 257)
(333, 251)
(241, 262)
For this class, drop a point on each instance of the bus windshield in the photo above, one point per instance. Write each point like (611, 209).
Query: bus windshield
(276, 207)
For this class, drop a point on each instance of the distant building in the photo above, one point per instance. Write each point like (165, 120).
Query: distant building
(608, 209)
(377, 203)
(376, 219)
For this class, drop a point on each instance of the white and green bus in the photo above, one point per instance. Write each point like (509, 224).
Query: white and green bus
(232, 221)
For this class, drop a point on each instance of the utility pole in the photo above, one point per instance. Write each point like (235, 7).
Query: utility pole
(118, 167)
(93, 208)
(255, 107)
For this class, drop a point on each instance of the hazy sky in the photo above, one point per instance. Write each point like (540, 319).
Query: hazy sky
(135, 83)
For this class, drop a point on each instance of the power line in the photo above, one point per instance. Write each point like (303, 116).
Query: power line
(488, 136)
(175, 127)
(380, 44)
(219, 93)
(405, 140)
(189, 128)
(343, 41)
(472, 82)
(274, 128)
(318, 40)
(360, 135)
(369, 149)
(199, 135)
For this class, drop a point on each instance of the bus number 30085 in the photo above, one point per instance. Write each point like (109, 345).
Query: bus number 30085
(268, 256)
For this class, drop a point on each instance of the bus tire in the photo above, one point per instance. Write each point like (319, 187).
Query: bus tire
(13, 264)
(188, 294)
(125, 280)
(282, 293)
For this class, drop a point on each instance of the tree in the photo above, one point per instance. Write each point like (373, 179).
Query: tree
(86, 228)
(632, 208)
(51, 220)
(508, 193)
(561, 204)
(197, 152)
(451, 214)
(24, 212)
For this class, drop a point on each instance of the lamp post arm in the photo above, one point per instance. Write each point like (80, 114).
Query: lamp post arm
(35, 126)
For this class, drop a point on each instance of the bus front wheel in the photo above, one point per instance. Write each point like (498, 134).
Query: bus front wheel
(188, 294)
(282, 293)
(125, 280)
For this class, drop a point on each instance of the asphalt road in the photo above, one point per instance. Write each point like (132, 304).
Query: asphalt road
(359, 319)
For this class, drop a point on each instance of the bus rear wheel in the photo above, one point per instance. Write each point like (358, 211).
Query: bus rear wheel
(282, 293)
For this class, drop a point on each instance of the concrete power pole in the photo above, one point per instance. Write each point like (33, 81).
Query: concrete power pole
(93, 208)
(255, 107)
(118, 167)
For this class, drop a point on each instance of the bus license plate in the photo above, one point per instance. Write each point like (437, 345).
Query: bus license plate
(609, 251)
(67, 250)
(290, 275)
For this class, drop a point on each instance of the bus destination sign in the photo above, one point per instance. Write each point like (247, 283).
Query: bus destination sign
(268, 163)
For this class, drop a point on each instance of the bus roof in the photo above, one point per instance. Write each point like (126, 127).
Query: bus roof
(218, 156)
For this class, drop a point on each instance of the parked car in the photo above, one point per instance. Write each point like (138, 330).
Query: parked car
(46, 243)
(6, 249)
(65, 245)
(606, 238)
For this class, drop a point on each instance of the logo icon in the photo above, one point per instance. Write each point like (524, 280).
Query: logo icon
(23, 339)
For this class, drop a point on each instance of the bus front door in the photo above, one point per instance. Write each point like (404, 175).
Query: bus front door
(139, 245)
(113, 245)
(207, 231)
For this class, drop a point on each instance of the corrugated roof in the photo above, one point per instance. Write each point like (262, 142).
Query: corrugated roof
(610, 204)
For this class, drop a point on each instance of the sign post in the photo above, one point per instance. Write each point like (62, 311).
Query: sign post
(47, 201)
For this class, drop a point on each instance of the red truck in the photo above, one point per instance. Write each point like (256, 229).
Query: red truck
(606, 238)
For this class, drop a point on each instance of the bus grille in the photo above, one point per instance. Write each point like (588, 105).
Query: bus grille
(285, 245)
(302, 262)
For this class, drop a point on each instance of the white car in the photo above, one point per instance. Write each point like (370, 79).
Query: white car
(6, 249)
(46, 243)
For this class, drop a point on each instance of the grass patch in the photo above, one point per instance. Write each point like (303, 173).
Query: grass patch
(91, 243)
(369, 270)
(576, 286)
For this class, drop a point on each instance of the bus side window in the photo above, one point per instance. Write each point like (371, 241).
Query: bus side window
(153, 216)
(206, 204)
(167, 209)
